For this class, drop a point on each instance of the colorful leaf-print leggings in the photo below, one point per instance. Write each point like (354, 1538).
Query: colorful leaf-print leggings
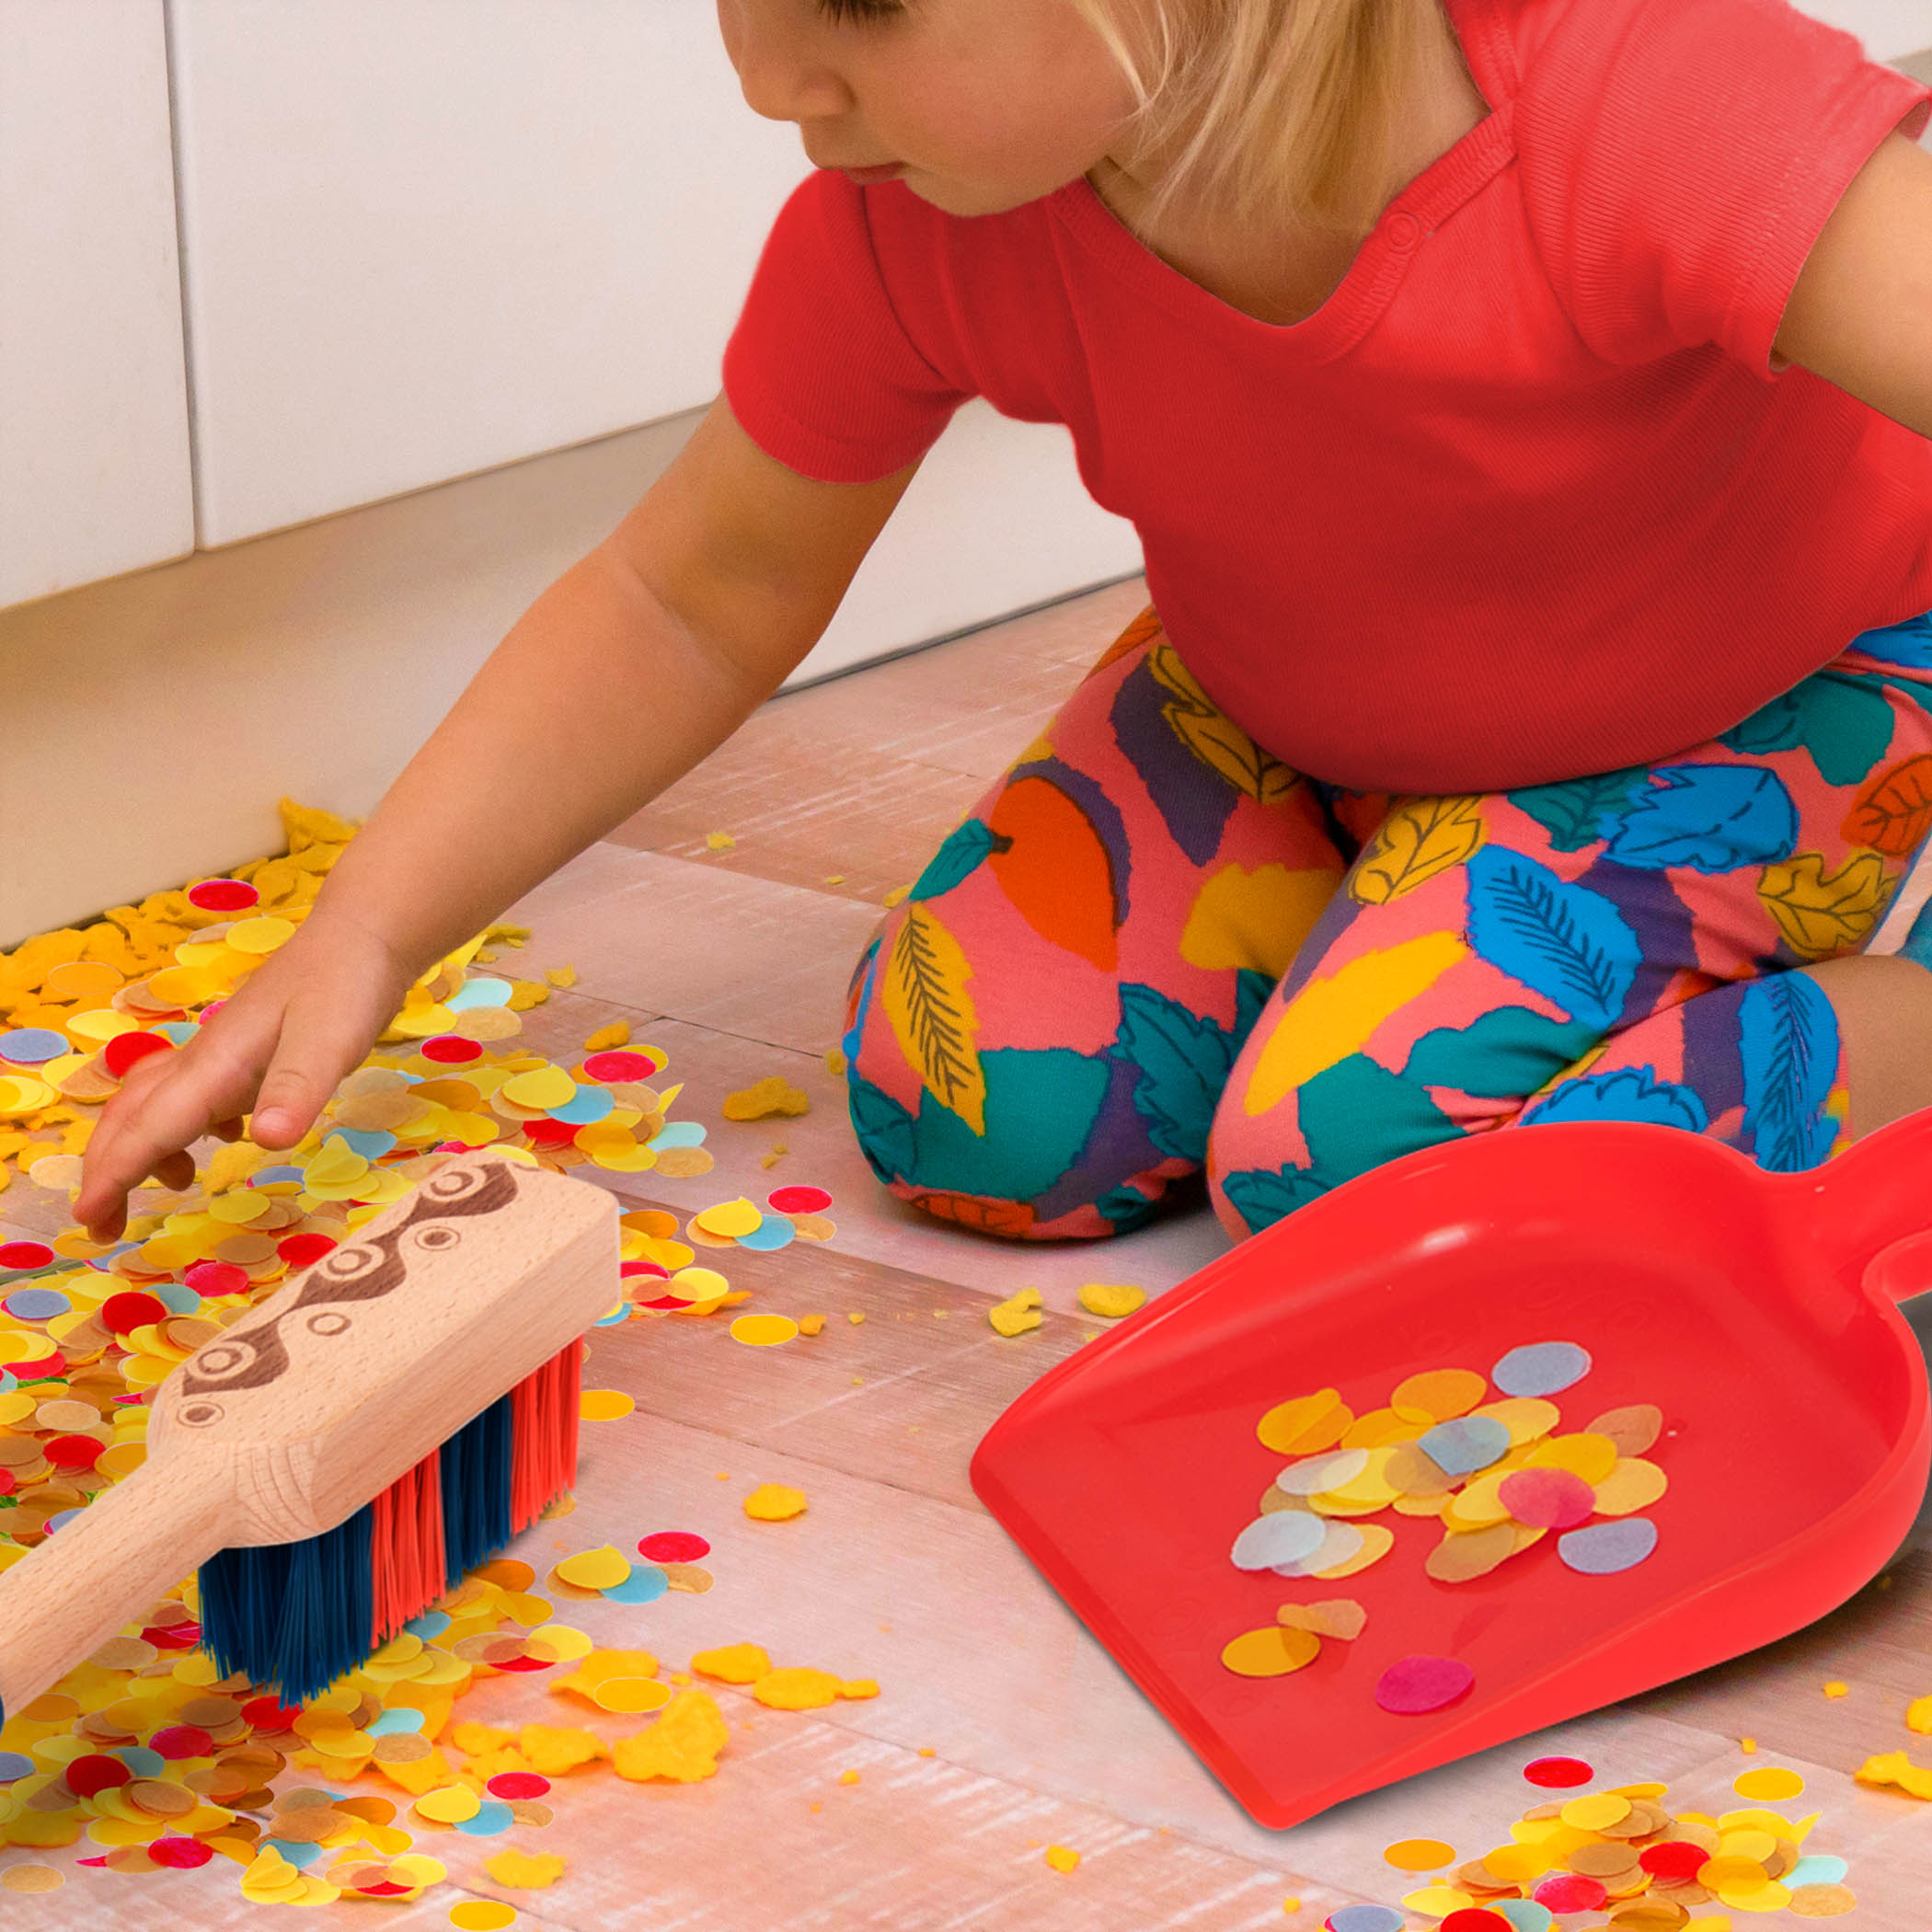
(1154, 950)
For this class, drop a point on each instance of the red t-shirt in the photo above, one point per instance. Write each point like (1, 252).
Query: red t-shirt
(1525, 499)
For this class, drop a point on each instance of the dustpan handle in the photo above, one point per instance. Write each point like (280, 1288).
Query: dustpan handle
(1875, 1197)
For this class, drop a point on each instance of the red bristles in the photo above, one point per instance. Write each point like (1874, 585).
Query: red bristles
(544, 1458)
(406, 1568)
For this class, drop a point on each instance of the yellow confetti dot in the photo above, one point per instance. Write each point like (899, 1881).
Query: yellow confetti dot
(848, 1777)
(1836, 1689)
(1271, 1652)
(631, 1695)
(545, 1087)
(1419, 1853)
(1062, 1857)
(604, 1405)
(1306, 1424)
(730, 1217)
(595, 1568)
(449, 1804)
(1593, 1812)
(697, 1284)
(482, 1916)
(525, 1871)
(1438, 1901)
(764, 1331)
(773, 1503)
(1110, 1301)
(1771, 1783)
(720, 841)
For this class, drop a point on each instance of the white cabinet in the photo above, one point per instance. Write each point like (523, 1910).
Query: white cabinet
(424, 237)
(94, 474)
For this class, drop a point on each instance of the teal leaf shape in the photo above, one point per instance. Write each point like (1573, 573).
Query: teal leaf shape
(1183, 1061)
(1573, 811)
(1712, 818)
(1500, 1055)
(1564, 941)
(884, 1129)
(1356, 1115)
(1261, 1198)
(1787, 1039)
(963, 850)
(1837, 717)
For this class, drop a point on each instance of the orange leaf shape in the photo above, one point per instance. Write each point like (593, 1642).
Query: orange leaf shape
(991, 1217)
(1147, 625)
(1893, 811)
(1821, 916)
(1056, 874)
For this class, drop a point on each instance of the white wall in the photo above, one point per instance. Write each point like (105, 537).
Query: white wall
(93, 474)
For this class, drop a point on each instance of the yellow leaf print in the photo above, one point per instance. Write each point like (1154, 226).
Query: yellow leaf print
(926, 999)
(1418, 838)
(1818, 915)
(1256, 919)
(1331, 1018)
(1220, 743)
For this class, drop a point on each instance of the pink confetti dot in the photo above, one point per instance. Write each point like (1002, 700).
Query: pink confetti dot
(798, 1201)
(450, 1049)
(1422, 1683)
(223, 896)
(1547, 1499)
(178, 1741)
(673, 1547)
(603, 1067)
(214, 1278)
(517, 1784)
(122, 1052)
(182, 1854)
(1570, 1891)
(123, 1313)
(304, 1250)
(1558, 1773)
(24, 1254)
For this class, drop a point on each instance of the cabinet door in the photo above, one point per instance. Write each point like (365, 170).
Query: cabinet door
(424, 237)
(93, 471)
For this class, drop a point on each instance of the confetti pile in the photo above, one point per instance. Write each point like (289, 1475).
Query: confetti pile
(1623, 1854)
(1496, 1474)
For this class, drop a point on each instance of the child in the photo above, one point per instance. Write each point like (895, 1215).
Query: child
(1525, 411)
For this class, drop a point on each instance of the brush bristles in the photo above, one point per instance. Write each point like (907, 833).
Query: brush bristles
(296, 1616)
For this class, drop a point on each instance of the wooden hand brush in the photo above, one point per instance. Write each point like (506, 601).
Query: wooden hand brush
(336, 1458)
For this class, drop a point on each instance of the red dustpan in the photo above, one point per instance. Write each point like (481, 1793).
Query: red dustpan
(1756, 1310)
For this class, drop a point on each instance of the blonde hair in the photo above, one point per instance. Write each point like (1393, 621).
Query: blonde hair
(1277, 112)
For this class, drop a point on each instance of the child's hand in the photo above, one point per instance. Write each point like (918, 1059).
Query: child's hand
(305, 1017)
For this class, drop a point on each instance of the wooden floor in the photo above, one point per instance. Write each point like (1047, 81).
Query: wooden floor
(1001, 1727)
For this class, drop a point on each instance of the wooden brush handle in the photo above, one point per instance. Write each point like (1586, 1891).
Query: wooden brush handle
(123, 1552)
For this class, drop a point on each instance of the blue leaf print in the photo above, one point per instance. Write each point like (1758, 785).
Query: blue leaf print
(1909, 643)
(1787, 1039)
(1572, 810)
(1629, 1094)
(960, 856)
(1561, 940)
(1712, 818)
(1183, 1061)
(1261, 1198)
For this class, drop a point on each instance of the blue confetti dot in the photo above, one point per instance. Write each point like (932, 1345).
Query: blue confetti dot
(1604, 1548)
(620, 1313)
(1467, 1443)
(371, 1143)
(1541, 1369)
(774, 1231)
(140, 1760)
(1365, 1918)
(1286, 1536)
(397, 1717)
(479, 992)
(587, 1105)
(645, 1585)
(177, 1297)
(60, 1520)
(267, 1177)
(13, 1765)
(33, 1046)
(678, 1133)
(1815, 1869)
(7, 1383)
(37, 1303)
(1525, 1915)
(492, 1816)
(431, 1623)
(296, 1853)
(177, 1032)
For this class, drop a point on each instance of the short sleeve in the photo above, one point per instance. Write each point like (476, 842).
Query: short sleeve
(818, 368)
(1679, 159)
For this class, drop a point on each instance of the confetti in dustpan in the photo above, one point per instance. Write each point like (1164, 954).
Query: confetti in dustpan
(1487, 1438)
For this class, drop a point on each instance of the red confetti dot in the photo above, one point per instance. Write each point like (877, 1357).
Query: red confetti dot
(124, 1049)
(44, 1370)
(524, 1663)
(1570, 1891)
(268, 1714)
(1556, 1773)
(602, 1068)
(384, 1890)
(798, 1201)
(551, 1134)
(665, 1301)
(85, 1776)
(214, 1278)
(6, 1482)
(179, 1741)
(173, 1637)
(517, 1784)
(1421, 1684)
(101, 1860)
(1674, 1859)
(450, 1049)
(72, 1452)
(301, 1250)
(24, 1254)
(1548, 1499)
(223, 896)
(182, 1854)
(673, 1547)
(1472, 1918)
(650, 1267)
(126, 1312)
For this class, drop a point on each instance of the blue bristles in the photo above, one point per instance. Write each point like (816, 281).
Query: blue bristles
(295, 1616)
